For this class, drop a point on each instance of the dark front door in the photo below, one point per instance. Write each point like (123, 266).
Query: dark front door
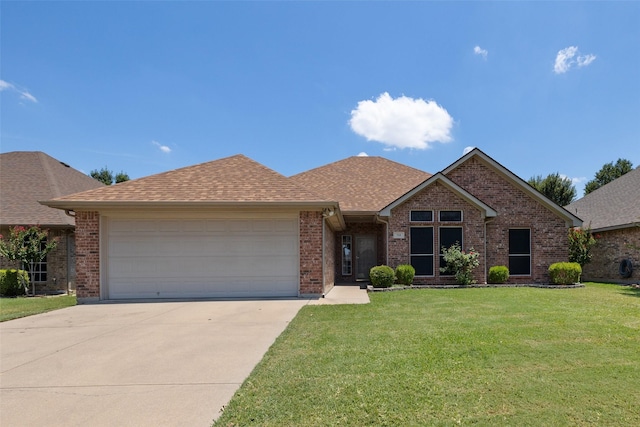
(365, 247)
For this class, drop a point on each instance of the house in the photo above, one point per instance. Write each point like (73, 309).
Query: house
(27, 177)
(235, 228)
(613, 213)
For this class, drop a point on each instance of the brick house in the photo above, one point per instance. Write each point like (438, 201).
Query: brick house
(27, 177)
(613, 213)
(234, 228)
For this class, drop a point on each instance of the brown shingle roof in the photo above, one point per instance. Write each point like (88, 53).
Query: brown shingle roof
(361, 184)
(235, 179)
(614, 205)
(27, 177)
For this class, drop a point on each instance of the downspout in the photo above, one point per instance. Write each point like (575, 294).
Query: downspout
(324, 220)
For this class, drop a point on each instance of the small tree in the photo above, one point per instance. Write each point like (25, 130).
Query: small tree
(580, 243)
(28, 245)
(460, 263)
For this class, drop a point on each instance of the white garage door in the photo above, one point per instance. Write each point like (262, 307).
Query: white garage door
(202, 258)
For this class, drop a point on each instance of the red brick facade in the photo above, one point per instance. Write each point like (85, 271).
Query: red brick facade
(87, 255)
(611, 248)
(358, 229)
(311, 260)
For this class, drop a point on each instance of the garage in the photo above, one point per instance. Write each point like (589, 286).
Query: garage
(200, 258)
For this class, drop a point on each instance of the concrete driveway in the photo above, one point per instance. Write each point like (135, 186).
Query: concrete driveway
(134, 364)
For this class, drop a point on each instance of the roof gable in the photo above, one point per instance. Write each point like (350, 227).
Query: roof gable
(361, 184)
(614, 205)
(518, 182)
(232, 180)
(27, 177)
(486, 210)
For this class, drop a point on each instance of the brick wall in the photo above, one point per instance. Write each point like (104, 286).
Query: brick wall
(87, 254)
(59, 268)
(435, 197)
(611, 248)
(516, 209)
(311, 262)
(329, 259)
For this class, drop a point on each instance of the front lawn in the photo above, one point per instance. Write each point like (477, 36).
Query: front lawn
(492, 356)
(13, 308)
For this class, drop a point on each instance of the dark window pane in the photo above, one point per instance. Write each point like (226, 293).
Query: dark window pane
(449, 236)
(422, 240)
(426, 216)
(519, 241)
(423, 265)
(520, 265)
(451, 216)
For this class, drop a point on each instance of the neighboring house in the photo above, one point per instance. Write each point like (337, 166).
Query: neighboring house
(613, 213)
(235, 228)
(27, 177)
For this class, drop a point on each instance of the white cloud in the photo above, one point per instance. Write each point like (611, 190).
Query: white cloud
(402, 122)
(163, 148)
(467, 149)
(24, 94)
(570, 56)
(362, 154)
(482, 52)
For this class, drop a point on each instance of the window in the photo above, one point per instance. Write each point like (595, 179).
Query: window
(520, 252)
(422, 250)
(346, 255)
(449, 236)
(422, 216)
(39, 268)
(451, 216)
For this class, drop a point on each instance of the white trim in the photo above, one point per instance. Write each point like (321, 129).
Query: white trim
(530, 255)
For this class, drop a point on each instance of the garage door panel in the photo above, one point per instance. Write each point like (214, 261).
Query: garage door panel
(202, 258)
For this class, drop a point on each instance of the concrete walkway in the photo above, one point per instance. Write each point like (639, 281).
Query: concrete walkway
(344, 294)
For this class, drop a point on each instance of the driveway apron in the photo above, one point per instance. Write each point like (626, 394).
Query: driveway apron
(134, 364)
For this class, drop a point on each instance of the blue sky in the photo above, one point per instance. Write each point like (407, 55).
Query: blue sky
(146, 87)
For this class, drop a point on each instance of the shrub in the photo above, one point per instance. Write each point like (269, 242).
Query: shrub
(498, 274)
(460, 263)
(565, 273)
(13, 282)
(382, 276)
(405, 274)
(580, 243)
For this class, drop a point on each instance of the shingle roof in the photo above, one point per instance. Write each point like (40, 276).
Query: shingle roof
(361, 184)
(235, 179)
(27, 177)
(614, 205)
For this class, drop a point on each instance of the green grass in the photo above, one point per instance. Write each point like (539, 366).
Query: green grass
(493, 356)
(13, 308)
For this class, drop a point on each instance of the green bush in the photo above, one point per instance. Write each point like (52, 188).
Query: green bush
(13, 282)
(565, 273)
(498, 274)
(405, 274)
(382, 276)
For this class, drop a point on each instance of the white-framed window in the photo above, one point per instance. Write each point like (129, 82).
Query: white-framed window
(39, 268)
(421, 216)
(519, 251)
(450, 216)
(347, 263)
(421, 248)
(448, 236)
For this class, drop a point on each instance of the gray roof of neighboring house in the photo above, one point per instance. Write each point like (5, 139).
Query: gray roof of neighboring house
(612, 206)
(27, 177)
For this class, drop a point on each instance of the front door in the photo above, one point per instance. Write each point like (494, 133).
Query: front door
(365, 247)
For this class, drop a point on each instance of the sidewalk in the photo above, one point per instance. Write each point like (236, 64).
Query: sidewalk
(344, 294)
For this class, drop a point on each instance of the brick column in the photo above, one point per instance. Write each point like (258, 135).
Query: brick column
(310, 253)
(87, 255)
